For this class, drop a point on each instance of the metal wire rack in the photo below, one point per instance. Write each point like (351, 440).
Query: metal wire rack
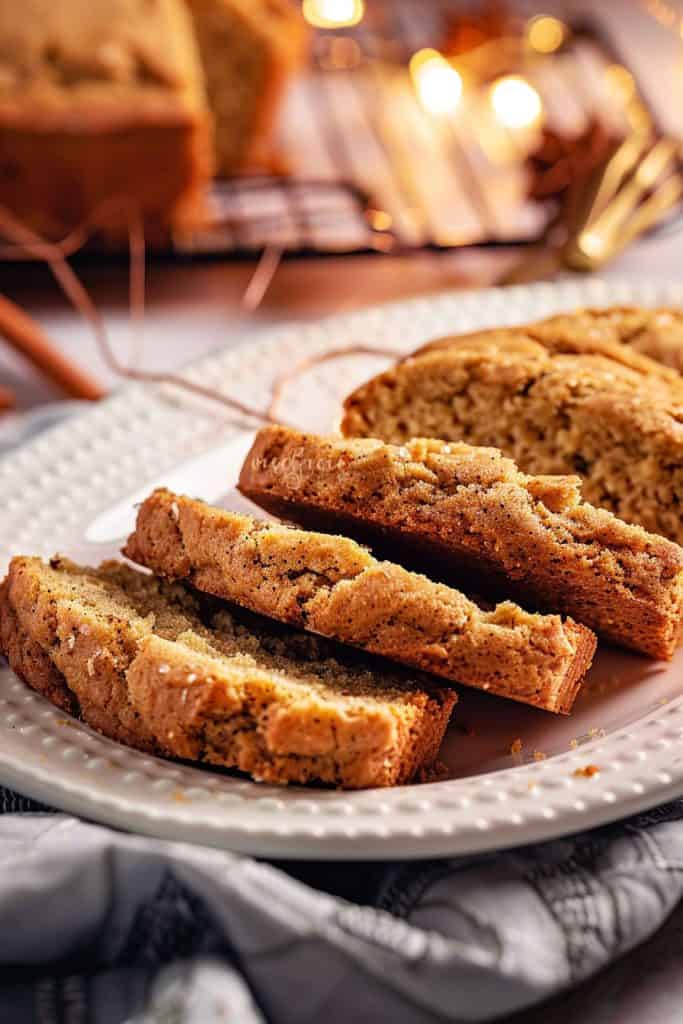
(369, 170)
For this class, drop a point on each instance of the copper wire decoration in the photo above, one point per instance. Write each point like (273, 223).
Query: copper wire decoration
(33, 246)
(289, 376)
(28, 245)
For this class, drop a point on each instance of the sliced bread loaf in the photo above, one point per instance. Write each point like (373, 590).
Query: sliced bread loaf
(333, 586)
(470, 511)
(620, 429)
(132, 655)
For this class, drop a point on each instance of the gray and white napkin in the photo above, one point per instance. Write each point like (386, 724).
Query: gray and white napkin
(100, 926)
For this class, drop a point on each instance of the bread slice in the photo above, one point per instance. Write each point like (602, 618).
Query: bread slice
(133, 656)
(632, 335)
(249, 49)
(617, 427)
(333, 586)
(470, 510)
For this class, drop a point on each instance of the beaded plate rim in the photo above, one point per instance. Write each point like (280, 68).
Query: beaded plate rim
(58, 483)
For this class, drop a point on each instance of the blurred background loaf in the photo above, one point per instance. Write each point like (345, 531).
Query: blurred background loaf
(132, 105)
(248, 50)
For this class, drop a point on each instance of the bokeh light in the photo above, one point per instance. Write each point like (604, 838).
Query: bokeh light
(515, 102)
(333, 13)
(620, 83)
(545, 34)
(437, 84)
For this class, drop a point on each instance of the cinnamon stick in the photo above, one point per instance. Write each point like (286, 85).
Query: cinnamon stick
(28, 338)
(6, 399)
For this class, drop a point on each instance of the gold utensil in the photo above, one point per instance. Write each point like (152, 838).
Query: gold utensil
(630, 211)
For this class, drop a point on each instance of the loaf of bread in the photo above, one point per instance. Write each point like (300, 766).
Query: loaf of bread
(655, 333)
(249, 49)
(132, 656)
(471, 513)
(116, 107)
(624, 333)
(102, 112)
(617, 427)
(332, 586)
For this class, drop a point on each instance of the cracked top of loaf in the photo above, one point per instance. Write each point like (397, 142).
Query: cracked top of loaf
(647, 340)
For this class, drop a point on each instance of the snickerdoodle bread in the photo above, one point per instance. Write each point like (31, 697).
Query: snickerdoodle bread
(249, 49)
(132, 656)
(656, 333)
(102, 112)
(332, 586)
(616, 427)
(116, 108)
(470, 512)
(624, 333)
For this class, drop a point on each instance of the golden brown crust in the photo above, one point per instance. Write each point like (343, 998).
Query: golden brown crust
(245, 723)
(631, 335)
(102, 103)
(146, 671)
(58, 610)
(332, 586)
(553, 413)
(29, 660)
(249, 50)
(470, 509)
(656, 333)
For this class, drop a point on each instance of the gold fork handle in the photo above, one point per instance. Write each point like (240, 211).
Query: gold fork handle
(590, 251)
(655, 164)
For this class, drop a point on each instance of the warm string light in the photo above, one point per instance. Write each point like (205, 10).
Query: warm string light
(437, 84)
(333, 13)
(545, 34)
(515, 103)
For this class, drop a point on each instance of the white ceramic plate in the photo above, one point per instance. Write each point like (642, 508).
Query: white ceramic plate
(73, 490)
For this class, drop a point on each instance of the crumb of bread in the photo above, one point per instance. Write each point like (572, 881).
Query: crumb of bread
(516, 746)
(587, 772)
